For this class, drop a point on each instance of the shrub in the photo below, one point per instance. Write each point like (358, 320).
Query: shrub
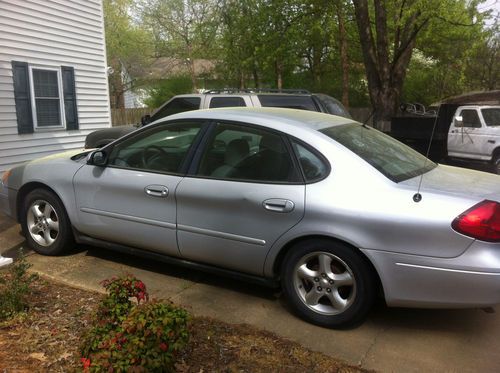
(133, 336)
(15, 287)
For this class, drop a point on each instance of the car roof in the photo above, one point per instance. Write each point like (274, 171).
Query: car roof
(278, 118)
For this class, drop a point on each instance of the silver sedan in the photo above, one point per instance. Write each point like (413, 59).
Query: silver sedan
(333, 210)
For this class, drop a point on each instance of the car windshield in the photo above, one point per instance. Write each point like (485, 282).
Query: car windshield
(491, 116)
(392, 158)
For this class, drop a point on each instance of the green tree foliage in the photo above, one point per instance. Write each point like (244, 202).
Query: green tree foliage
(165, 89)
(182, 29)
(362, 51)
(128, 47)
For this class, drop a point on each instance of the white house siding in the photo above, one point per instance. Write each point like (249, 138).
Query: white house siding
(52, 33)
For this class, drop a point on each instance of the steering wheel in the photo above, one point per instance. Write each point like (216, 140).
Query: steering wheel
(149, 152)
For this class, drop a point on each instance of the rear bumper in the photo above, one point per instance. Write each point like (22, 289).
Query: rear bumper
(469, 280)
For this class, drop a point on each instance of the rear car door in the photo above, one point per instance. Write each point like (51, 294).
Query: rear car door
(244, 192)
(132, 200)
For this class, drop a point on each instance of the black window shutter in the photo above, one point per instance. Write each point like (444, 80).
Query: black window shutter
(69, 92)
(20, 74)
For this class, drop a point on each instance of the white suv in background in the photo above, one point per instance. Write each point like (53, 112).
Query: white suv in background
(291, 99)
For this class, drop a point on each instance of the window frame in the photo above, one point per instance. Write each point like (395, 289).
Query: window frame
(208, 136)
(62, 116)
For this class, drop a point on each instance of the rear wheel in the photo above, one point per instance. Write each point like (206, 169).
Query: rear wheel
(328, 283)
(45, 223)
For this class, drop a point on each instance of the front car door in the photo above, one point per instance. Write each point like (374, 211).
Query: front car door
(244, 193)
(132, 200)
(463, 139)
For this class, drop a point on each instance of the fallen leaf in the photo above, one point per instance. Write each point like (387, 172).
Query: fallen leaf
(38, 356)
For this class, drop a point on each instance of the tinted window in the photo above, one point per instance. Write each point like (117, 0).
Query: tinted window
(288, 101)
(313, 167)
(244, 153)
(177, 105)
(470, 118)
(332, 106)
(216, 102)
(162, 148)
(491, 116)
(393, 159)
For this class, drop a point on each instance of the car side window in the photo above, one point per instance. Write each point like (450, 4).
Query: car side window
(241, 152)
(470, 118)
(162, 148)
(216, 102)
(288, 101)
(177, 105)
(313, 167)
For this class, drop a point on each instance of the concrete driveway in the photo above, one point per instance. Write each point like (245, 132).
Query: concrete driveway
(391, 340)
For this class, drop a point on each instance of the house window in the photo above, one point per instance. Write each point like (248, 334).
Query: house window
(46, 98)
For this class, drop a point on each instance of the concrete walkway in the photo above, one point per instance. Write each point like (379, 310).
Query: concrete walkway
(392, 340)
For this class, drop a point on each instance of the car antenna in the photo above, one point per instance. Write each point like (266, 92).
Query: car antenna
(368, 119)
(417, 197)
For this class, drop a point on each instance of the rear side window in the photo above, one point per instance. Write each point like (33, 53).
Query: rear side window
(216, 102)
(491, 116)
(313, 167)
(177, 105)
(241, 152)
(288, 101)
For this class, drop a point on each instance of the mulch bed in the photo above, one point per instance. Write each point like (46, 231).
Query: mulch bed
(47, 338)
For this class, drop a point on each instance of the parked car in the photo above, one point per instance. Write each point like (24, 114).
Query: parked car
(335, 211)
(466, 128)
(296, 99)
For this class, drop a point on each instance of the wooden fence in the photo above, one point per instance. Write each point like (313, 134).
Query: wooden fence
(128, 116)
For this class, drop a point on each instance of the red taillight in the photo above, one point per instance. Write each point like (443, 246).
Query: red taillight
(481, 221)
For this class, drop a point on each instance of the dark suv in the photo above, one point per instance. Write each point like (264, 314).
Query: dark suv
(291, 99)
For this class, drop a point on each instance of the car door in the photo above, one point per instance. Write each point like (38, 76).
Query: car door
(243, 193)
(132, 199)
(464, 138)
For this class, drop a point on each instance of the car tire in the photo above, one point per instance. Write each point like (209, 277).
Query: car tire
(45, 223)
(328, 283)
(496, 164)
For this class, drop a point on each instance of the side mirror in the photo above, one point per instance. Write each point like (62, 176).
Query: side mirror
(458, 121)
(145, 119)
(97, 158)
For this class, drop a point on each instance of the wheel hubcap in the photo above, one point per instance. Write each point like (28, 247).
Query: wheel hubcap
(324, 283)
(43, 223)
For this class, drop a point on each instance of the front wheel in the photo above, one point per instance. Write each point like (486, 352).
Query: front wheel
(45, 223)
(327, 283)
(496, 164)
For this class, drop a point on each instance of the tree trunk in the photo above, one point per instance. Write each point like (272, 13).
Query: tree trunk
(279, 74)
(116, 86)
(385, 73)
(344, 58)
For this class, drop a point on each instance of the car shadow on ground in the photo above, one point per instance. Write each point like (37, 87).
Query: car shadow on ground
(188, 274)
(440, 320)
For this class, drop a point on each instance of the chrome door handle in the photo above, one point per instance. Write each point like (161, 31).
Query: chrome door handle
(156, 191)
(278, 205)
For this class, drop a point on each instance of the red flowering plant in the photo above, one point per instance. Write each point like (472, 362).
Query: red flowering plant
(142, 335)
